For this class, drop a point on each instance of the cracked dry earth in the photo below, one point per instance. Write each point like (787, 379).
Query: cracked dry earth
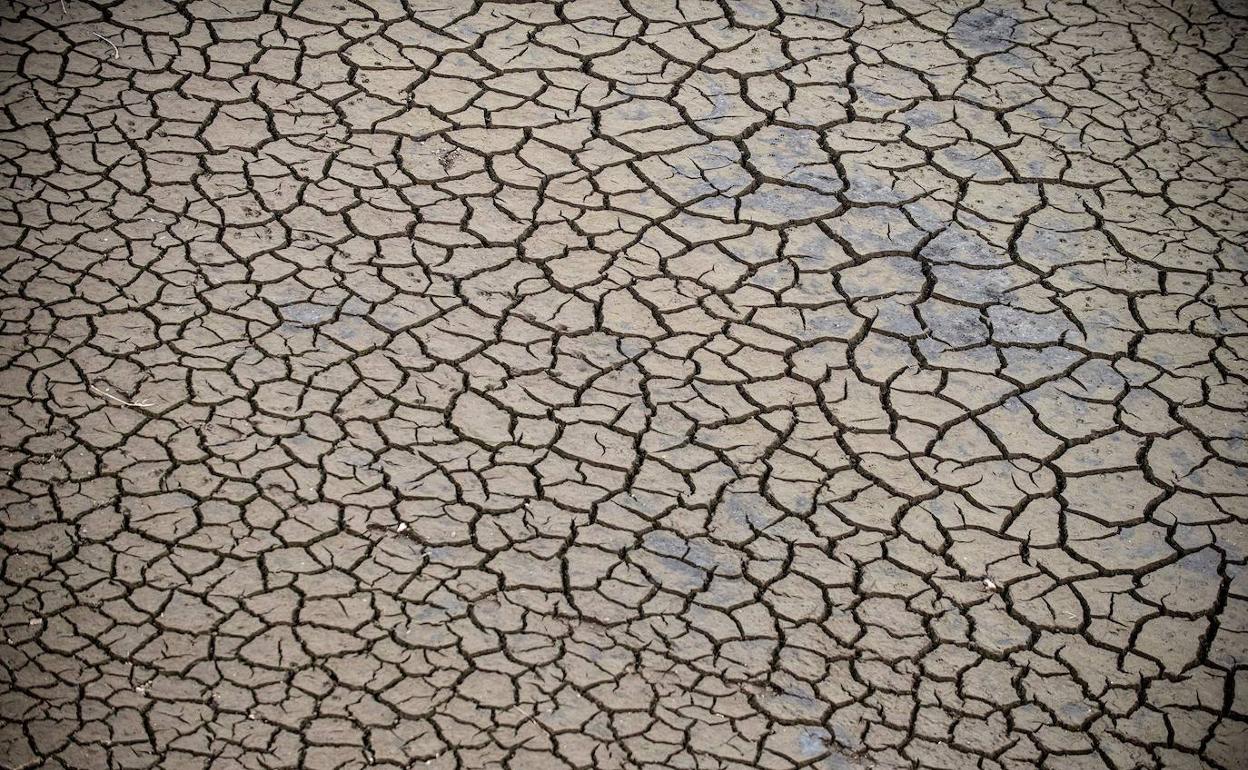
(624, 384)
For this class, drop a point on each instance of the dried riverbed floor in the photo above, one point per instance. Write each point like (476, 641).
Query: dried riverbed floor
(623, 384)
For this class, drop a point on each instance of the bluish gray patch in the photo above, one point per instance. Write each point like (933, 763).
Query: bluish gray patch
(307, 313)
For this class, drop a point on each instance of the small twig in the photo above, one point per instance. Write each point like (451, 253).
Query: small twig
(116, 50)
(123, 402)
(528, 717)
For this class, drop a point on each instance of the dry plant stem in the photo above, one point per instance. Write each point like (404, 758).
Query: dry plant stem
(123, 402)
(116, 50)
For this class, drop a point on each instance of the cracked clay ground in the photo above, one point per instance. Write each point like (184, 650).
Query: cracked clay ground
(623, 384)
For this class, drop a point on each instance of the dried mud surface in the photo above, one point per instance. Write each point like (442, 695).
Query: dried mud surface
(623, 384)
